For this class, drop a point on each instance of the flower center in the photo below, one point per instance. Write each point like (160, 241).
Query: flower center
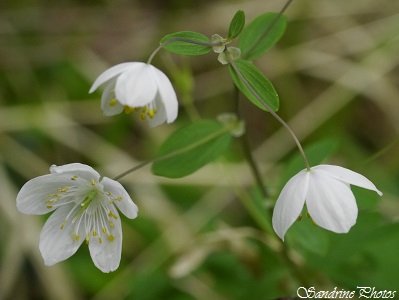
(95, 213)
(146, 111)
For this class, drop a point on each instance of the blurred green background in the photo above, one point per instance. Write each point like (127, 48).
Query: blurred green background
(336, 71)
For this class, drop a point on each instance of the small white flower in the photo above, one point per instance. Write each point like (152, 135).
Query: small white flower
(136, 85)
(329, 199)
(84, 210)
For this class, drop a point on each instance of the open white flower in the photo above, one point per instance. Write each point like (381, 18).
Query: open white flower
(85, 210)
(329, 199)
(135, 85)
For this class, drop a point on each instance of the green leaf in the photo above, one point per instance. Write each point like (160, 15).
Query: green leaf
(191, 147)
(186, 48)
(258, 36)
(258, 82)
(237, 24)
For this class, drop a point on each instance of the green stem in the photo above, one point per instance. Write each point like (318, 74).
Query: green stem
(200, 142)
(248, 153)
(179, 39)
(274, 114)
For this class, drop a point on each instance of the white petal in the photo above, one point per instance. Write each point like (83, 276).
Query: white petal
(348, 176)
(33, 195)
(167, 94)
(136, 87)
(160, 115)
(106, 255)
(58, 244)
(106, 97)
(330, 202)
(290, 203)
(76, 169)
(126, 205)
(109, 74)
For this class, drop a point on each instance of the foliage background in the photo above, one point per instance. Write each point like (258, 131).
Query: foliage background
(336, 71)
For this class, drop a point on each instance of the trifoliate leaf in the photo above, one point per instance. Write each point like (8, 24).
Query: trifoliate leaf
(236, 24)
(258, 36)
(186, 48)
(191, 147)
(262, 86)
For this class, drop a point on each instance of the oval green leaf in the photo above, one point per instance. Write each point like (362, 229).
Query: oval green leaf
(262, 86)
(261, 34)
(236, 24)
(186, 48)
(190, 148)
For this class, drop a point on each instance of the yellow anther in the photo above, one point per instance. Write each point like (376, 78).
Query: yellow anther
(87, 238)
(49, 206)
(151, 113)
(74, 177)
(113, 102)
(144, 109)
(63, 224)
(100, 240)
(128, 109)
(104, 229)
(111, 224)
(109, 193)
(63, 189)
(94, 233)
(111, 214)
(76, 237)
(111, 238)
(93, 183)
(143, 116)
(118, 198)
(299, 218)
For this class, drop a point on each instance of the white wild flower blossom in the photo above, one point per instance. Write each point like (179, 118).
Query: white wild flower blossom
(84, 208)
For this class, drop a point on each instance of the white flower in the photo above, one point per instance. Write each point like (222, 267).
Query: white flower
(329, 199)
(84, 210)
(136, 85)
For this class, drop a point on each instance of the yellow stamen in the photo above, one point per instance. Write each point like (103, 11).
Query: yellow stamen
(100, 240)
(49, 206)
(111, 214)
(113, 102)
(77, 237)
(128, 109)
(63, 189)
(151, 113)
(104, 229)
(94, 233)
(111, 238)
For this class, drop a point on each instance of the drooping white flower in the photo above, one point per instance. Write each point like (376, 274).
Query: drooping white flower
(84, 210)
(134, 85)
(329, 199)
